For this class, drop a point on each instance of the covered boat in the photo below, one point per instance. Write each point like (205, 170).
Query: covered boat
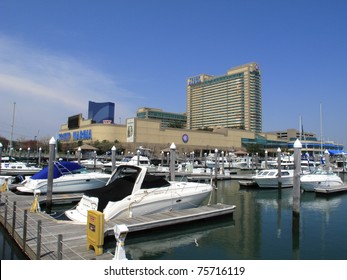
(68, 177)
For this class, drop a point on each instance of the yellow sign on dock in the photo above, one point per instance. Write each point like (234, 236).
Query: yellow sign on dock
(95, 231)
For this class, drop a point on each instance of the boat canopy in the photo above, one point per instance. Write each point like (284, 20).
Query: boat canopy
(337, 152)
(123, 185)
(60, 168)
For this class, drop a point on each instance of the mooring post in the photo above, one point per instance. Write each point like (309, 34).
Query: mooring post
(296, 200)
(296, 178)
(25, 227)
(50, 175)
(113, 159)
(60, 247)
(172, 161)
(138, 157)
(79, 154)
(215, 174)
(94, 161)
(38, 245)
(222, 155)
(327, 159)
(266, 159)
(279, 167)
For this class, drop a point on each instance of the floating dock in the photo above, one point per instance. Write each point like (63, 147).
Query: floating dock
(42, 237)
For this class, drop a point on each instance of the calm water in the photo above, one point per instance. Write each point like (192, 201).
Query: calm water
(261, 228)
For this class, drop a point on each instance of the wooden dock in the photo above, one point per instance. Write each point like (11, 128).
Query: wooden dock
(41, 236)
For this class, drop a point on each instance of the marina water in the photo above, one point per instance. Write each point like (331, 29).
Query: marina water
(261, 228)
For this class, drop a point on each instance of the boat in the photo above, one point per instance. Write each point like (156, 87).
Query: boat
(320, 178)
(68, 177)
(133, 191)
(268, 178)
(91, 163)
(17, 168)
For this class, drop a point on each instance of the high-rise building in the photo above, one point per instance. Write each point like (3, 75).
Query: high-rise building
(232, 101)
(101, 112)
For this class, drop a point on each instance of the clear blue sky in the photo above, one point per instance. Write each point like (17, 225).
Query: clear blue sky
(55, 56)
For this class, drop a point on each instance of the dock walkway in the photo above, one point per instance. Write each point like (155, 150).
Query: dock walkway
(41, 236)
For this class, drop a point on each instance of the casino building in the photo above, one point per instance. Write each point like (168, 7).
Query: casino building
(223, 112)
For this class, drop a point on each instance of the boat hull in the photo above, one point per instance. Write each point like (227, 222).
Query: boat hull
(144, 202)
(308, 183)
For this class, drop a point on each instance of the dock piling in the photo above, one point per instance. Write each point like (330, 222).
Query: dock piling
(50, 175)
(279, 167)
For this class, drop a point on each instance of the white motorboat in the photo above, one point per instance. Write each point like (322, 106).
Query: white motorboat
(91, 163)
(15, 168)
(133, 191)
(68, 177)
(320, 178)
(268, 178)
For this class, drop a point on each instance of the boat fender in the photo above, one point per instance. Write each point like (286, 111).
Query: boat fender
(4, 187)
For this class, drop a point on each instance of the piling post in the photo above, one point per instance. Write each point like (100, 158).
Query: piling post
(113, 158)
(327, 159)
(216, 165)
(215, 174)
(266, 159)
(39, 160)
(94, 161)
(138, 157)
(50, 175)
(172, 161)
(79, 155)
(279, 169)
(222, 154)
(296, 200)
(296, 178)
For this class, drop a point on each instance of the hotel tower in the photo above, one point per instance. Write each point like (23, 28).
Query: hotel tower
(231, 101)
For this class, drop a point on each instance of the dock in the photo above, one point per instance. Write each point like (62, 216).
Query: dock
(41, 237)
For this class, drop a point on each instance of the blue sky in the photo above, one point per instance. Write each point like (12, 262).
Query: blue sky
(55, 56)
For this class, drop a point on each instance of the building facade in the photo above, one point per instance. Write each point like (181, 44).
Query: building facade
(101, 112)
(231, 101)
(174, 120)
(310, 143)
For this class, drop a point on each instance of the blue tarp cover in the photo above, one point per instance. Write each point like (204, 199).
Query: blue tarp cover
(337, 152)
(61, 165)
